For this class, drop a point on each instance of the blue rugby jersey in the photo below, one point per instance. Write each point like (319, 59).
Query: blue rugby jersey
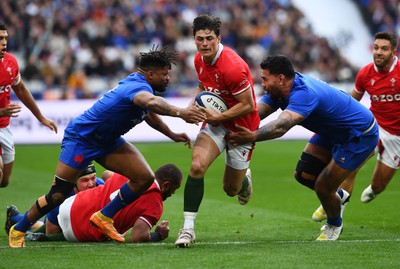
(327, 110)
(114, 114)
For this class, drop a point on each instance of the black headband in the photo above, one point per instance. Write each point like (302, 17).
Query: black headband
(90, 169)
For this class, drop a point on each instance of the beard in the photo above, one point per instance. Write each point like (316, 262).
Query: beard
(381, 63)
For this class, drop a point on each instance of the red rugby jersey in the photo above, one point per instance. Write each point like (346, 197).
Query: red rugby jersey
(148, 206)
(384, 91)
(228, 76)
(9, 77)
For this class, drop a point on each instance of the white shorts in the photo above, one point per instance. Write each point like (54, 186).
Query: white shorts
(64, 219)
(389, 149)
(236, 157)
(7, 151)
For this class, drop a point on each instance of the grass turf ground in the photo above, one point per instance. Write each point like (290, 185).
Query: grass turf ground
(274, 230)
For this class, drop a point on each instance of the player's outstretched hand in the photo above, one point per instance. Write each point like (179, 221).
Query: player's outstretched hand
(182, 137)
(50, 124)
(241, 136)
(163, 229)
(192, 114)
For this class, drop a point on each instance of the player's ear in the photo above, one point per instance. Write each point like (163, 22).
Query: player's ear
(165, 186)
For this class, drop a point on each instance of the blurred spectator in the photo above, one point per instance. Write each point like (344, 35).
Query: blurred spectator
(381, 15)
(70, 40)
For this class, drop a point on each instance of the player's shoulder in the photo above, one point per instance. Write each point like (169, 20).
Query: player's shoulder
(231, 59)
(366, 72)
(10, 58)
(370, 66)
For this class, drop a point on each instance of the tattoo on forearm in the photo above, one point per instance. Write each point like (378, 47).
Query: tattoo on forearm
(160, 107)
(278, 127)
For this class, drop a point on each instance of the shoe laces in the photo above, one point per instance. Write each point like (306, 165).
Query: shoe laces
(185, 233)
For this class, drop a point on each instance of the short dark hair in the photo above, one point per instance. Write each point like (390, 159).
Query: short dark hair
(387, 36)
(205, 21)
(3, 26)
(157, 58)
(169, 172)
(278, 64)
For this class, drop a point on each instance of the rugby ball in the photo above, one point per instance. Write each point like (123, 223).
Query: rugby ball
(210, 100)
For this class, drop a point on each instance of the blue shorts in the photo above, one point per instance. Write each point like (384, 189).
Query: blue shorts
(352, 153)
(79, 153)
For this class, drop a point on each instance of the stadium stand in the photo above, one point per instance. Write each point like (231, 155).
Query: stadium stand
(72, 49)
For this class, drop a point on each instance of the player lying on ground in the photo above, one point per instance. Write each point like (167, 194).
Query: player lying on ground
(140, 215)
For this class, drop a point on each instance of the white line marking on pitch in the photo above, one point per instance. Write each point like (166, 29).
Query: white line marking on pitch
(68, 245)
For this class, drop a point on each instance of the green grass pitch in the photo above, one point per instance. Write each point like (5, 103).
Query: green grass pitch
(274, 230)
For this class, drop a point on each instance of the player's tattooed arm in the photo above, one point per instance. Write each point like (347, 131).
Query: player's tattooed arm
(277, 128)
(160, 106)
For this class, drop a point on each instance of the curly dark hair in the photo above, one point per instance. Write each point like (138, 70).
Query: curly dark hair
(205, 21)
(157, 58)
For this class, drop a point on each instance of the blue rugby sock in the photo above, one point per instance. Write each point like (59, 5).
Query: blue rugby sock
(124, 198)
(17, 218)
(24, 224)
(335, 221)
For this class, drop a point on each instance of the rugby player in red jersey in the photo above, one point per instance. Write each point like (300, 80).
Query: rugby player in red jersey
(381, 80)
(10, 79)
(222, 71)
(141, 215)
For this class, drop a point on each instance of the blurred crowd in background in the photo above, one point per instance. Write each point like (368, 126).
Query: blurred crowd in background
(69, 49)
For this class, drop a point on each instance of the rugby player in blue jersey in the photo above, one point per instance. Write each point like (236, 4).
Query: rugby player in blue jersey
(345, 132)
(97, 135)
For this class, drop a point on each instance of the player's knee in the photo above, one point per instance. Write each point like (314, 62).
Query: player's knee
(57, 194)
(197, 169)
(57, 198)
(307, 170)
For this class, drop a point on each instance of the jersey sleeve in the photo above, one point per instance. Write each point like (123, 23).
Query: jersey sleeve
(15, 68)
(360, 80)
(151, 208)
(237, 80)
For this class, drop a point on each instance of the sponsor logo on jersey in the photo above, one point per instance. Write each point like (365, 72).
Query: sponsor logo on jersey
(6, 88)
(385, 97)
(217, 91)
